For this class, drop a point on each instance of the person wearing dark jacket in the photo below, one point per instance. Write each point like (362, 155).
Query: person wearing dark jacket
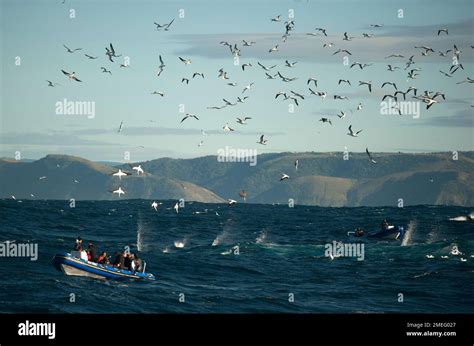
(128, 261)
(119, 260)
(138, 264)
(92, 251)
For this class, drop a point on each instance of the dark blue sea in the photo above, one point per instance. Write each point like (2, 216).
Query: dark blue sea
(244, 259)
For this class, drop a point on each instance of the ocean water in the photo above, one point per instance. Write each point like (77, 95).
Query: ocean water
(281, 254)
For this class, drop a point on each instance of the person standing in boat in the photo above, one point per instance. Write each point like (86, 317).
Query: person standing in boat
(138, 264)
(78, 245)
(128, 260)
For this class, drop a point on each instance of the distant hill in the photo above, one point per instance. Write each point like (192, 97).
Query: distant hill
(73, 177)
(323, 179)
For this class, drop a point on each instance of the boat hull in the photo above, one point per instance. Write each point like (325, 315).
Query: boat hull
(393, 233)
(73, 266)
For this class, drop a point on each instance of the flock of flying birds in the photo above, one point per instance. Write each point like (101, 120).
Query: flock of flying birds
(272, 73)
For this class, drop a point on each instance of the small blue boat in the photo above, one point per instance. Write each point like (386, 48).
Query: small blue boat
(390, 233)
(72, 265)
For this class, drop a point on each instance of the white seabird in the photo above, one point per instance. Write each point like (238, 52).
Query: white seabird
(351, 133)
(154, 205)
(246, 65)
(138, 168)
(247, 87)
(161, 67)
(185, 61)
(176, 207)
(69, 50)
(262, 140)
(189, 115)
(273, 49)
(369, 84)
(342, 51)
(118, 191)
(442, 30)
(276, 19)
(104, 70)
(322, 94)
(266, 68)
(227, 128)
(284, 177)
(370, 156)
(243, 121)
(392, 68)
(228, 103)
(344, 80)
(121, 174)
(314, 80)
(389, 83)
(165, 27)
(198, 74)
(71, 76)
(52, 84)
(110, 52)
(325, 120)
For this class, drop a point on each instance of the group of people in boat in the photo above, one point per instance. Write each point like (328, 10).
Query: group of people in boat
(359, 232)
(121, 259)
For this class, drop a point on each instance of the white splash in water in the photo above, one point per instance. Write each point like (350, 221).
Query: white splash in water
(409, 233)
(220, 238)
(180, 244)
(139, 238)
(261, 238)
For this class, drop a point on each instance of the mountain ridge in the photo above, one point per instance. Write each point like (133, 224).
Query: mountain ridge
(322, 179)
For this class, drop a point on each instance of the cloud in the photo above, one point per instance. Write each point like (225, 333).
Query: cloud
(392, 39)
(45, 139)
(165, 131)
(327, 112)
(456, 30)
(462, 118)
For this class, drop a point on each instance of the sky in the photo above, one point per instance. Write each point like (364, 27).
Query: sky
(35, 30)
